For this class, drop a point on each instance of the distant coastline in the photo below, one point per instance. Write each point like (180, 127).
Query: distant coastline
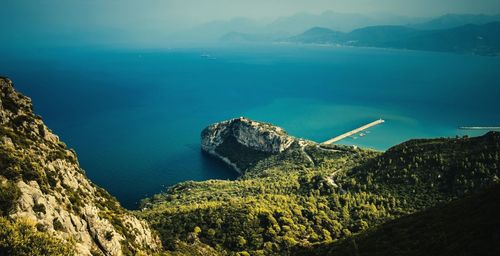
(491, 128)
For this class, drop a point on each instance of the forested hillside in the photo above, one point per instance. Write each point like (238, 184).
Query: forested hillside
(313, 195)
(467, 226)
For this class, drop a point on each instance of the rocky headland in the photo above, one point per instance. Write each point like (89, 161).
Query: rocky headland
(242, 142)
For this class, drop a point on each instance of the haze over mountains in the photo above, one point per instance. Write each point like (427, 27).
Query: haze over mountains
(342, 22)
(297, 23)
(456, 20)
(470, 38)
(160, 34)
(460, 33)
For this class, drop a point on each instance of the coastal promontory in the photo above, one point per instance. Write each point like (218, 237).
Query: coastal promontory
(242, 142)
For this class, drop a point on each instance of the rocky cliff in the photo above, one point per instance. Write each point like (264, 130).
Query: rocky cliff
(42, 182)
(241, 142)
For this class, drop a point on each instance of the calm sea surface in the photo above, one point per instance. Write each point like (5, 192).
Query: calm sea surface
(134, 116)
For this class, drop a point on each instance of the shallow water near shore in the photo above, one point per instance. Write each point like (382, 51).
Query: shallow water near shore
(135, 116)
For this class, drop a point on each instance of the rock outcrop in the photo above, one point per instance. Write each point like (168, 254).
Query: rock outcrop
(241, 142)
(54, 192)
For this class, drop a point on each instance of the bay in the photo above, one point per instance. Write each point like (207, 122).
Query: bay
(134, 116)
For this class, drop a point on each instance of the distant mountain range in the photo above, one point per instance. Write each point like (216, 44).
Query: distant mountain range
(456, 20)
(460, 33)
(245, 29)
(477, 39)
(290, 25)
(343, 22)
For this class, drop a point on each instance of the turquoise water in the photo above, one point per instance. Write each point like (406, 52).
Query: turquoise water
(134, 116)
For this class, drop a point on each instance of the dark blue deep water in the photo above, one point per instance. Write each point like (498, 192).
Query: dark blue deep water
(134, 116)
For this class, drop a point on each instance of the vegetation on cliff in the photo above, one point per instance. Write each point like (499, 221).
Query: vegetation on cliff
(22, 238)
(46, 201)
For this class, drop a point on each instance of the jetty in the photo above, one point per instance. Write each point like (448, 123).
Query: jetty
(489, 128)
(347, 134)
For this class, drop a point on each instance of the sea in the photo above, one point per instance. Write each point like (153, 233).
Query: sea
(134, 116)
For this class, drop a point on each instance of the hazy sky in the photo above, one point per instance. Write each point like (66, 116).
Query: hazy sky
(174, 13)
(76, 19)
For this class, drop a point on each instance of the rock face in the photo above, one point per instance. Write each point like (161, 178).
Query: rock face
(54, 191)
(256, 135)
(232, 139)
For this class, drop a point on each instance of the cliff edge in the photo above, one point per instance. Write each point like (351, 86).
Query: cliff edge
(42, 183)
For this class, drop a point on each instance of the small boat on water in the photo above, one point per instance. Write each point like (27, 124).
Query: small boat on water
(205, 55)
(361, 134)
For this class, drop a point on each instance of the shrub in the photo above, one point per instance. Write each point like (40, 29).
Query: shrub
(9, 194)
(40, 208)
(108, 235)
(41, 227)
(57, 224)
(19, 238)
